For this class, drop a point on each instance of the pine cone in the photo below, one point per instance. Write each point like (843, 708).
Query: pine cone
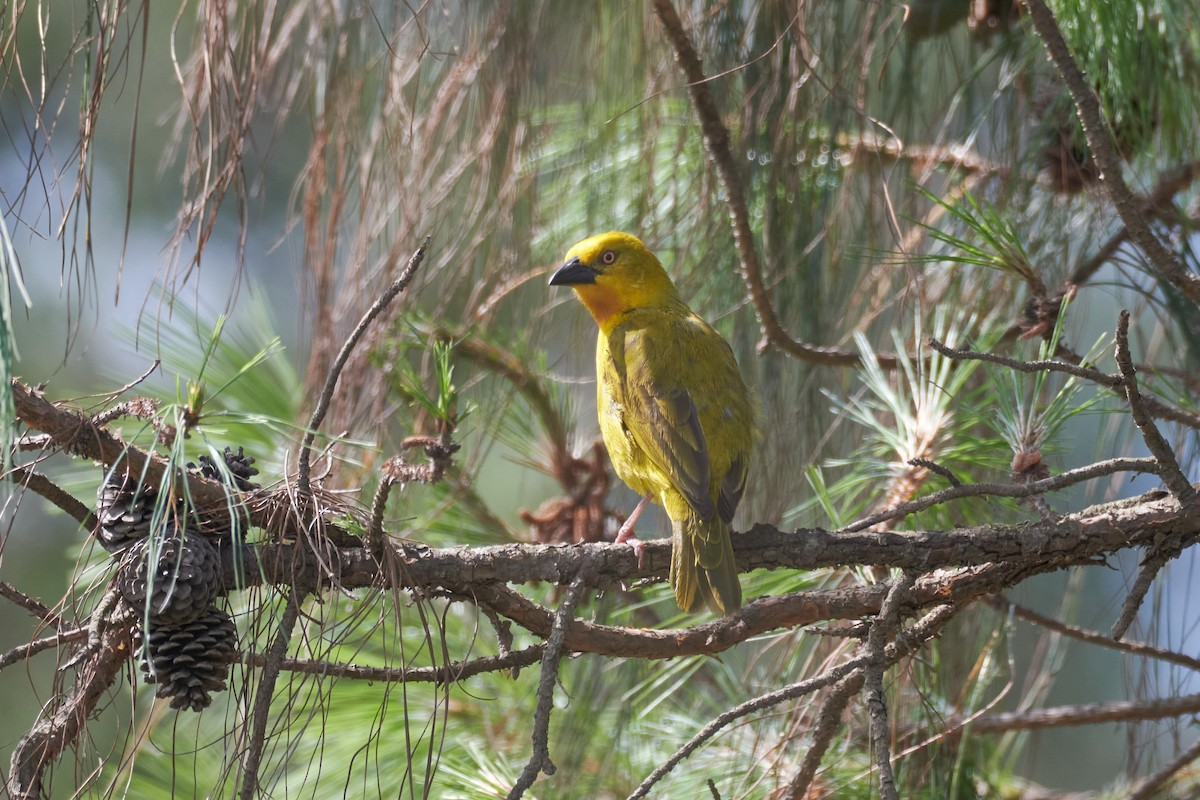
(124, 512)
(186, 577)
(238, 466)
(191, 660)
(238, 470)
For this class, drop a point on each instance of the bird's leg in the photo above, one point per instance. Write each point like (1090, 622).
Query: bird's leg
(625, 533)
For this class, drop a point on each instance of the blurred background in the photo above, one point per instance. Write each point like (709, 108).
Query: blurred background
(225, 188)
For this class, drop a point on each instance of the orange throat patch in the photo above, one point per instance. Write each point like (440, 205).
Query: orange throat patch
(602, 301)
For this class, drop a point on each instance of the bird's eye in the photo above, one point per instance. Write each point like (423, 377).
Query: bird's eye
(608, 257)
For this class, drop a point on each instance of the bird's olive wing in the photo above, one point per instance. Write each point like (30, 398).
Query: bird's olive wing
(731, 489)
(665, 424)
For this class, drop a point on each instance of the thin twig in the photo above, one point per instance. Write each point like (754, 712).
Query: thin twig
(66, 717)
(1169, 470)
(937, 469)
(1088, 714)
(303, 467)
(51, 491)
(1051, 484)
(24, 651)
(1004, 605)
(35, 607)
(375, 535)
(1151, 563)
(905, 642)
(1170, 183)
(1148, 787)
(447, 673)
(261, 710)
(882, 627)
(1017, 365)
(829, 720)
(1099, 140)
(1154, 406)
(540, 761)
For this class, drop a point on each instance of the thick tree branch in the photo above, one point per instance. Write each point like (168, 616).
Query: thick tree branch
(1080, 538)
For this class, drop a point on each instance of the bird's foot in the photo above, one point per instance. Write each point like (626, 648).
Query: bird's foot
(626, 535)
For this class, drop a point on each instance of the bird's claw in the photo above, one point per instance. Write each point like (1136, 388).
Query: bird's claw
(626, 535)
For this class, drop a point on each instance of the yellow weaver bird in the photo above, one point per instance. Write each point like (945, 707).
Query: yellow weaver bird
(676, 416)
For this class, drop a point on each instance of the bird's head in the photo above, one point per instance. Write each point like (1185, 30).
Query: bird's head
(614, 272)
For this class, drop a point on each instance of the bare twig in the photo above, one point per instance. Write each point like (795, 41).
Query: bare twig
(1088, 714)
(882, 627)
(1156, 408)
(1017, 365)
(829, 720)
(1170, 183)
(1148, 788)
(1051, 484)
(1099, 140)
(32, 479)
(1004, 605)
(937, 469)
(35, 607)
(540, 761)
(259, 714)
(1148, 568)
(440, 450)
(446, 673)
(1169, 469)
(143, 408)
(303, 467)
(24, 651)
(905, 642)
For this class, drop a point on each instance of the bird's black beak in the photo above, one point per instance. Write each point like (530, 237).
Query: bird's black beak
(573, 272)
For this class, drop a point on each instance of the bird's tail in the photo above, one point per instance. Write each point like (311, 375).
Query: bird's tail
(703, 570)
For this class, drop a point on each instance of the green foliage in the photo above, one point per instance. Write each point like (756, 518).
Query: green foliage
(510, 131)
(1000, 245)
(1033, 408)
(1143, 59)
(10, 278)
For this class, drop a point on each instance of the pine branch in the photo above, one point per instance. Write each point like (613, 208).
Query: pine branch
(716, 142)
(1099, 140)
